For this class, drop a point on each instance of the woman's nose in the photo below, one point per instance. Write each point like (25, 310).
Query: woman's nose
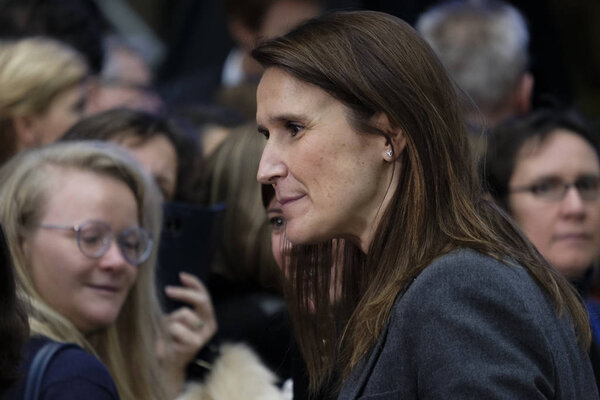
(113, 258)
(271, 167)
(573, 203)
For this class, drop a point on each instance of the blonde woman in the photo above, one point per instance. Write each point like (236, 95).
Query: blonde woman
(42, 92)
(80, 219)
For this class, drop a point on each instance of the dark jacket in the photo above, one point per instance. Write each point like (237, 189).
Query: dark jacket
(72, 374)
(471, 327)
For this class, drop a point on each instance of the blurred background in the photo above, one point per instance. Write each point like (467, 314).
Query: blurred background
(192, 35)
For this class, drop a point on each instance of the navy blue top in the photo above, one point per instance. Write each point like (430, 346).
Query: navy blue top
(72, 374)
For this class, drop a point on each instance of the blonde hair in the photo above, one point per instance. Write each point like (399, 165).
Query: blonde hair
(126, 347)
(243, 251)
(33, 72)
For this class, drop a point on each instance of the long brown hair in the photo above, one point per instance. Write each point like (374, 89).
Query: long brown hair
(373, 62)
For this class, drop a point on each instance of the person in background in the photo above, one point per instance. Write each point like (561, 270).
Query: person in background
(76, 23)
(126, 81)
(211, 124)
(85, 261)
(484, 47)
(245, 281)
(14, 328)
(249, 22)
(42, 92)
(441, 295)
(229, 84)
(298, 382)
(152, 139)
(280, 247)
(120, 75)
(279, 244)
(226, 181)
(544, 170)
(234, 370)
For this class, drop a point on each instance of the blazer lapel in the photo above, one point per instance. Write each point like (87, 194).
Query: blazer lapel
(353, 386)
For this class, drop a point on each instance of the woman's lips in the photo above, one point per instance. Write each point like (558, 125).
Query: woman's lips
(105, 288)
(572, 237)
(288, 200)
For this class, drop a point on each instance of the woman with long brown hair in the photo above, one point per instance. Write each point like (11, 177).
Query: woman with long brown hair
(440, 295)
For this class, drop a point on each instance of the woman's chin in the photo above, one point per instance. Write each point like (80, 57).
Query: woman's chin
(297, 233)
(574, 269)
(303, 237)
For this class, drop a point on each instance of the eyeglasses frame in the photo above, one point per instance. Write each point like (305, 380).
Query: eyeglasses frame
(590, 196)
(78, 229)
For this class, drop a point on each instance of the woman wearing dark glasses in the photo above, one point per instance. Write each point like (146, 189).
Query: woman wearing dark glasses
(544, 170)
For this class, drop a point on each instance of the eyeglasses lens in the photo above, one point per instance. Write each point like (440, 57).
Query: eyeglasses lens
(589, 189)
(135, 244)
(95, 237)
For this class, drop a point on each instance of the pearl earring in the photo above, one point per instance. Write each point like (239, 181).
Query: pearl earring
(389, 153)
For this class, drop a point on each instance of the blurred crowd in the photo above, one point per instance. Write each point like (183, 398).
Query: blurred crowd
(135, 228)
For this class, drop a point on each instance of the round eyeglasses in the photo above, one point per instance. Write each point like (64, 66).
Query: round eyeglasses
(555, 190)
(94, 239)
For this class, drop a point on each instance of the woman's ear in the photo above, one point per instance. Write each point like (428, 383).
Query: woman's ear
(396, 142)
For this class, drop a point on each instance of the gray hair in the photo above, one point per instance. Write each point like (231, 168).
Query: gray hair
(482, 43)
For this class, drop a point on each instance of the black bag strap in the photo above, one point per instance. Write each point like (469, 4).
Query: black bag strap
(38, 367)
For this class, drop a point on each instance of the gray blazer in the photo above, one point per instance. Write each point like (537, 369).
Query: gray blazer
(471, 327)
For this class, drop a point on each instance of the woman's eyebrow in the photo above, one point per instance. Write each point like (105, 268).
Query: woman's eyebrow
(274, 210)
(287, 117)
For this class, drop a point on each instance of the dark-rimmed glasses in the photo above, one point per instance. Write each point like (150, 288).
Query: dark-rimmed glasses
(95, 237)
(554, 190)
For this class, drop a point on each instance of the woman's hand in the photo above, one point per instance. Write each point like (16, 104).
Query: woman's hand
(188, 328)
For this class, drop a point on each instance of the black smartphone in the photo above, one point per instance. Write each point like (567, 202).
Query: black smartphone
(186, 244)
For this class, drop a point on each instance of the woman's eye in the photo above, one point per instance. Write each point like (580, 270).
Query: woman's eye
(131, 244)
(91, 239)
(264, 132)
(79, 107)
(294, 128)
(545, 187)
(541, 188)
(276, 223)
(588, 184)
